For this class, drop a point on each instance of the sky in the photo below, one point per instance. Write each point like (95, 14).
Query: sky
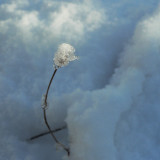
(109, 98)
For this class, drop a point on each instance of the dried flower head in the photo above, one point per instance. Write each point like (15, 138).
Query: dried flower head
(64, 55)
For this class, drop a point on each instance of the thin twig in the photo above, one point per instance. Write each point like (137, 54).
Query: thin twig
(45, 133)
(45, 117)
(46, 95)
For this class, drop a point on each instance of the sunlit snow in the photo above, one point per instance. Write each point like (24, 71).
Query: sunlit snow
(108, 99)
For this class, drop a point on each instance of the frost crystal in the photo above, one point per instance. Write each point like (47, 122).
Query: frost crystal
(43, 104)
(64, 55)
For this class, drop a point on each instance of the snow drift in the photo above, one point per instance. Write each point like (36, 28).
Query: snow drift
(109, 99)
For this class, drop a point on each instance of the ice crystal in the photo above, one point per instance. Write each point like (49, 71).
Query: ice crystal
(43, 103)
(64, 55)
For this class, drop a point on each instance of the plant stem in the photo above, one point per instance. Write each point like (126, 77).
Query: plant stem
(45, 116)
(46, 95)
(45, 133)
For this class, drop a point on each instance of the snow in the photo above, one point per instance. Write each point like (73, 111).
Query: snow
(64, 55)
(109, 98)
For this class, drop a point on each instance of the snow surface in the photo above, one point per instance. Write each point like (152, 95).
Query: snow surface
(109, 99)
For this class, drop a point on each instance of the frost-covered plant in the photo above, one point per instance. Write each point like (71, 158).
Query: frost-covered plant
(63, 56)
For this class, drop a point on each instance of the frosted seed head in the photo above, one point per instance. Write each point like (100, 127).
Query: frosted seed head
(64, 55)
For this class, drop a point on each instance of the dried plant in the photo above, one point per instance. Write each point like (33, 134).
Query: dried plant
(63, 56)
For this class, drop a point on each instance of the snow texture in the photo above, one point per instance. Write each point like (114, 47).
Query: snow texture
(64, 55)
(109, 99)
